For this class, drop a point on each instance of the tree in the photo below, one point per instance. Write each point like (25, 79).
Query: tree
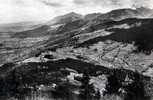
(87, 90)
(113, 84)
(135, 90)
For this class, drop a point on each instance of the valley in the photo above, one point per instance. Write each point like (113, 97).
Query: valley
(74, 57)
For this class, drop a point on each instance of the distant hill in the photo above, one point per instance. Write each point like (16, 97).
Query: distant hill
(71, 21)
(37, 32)
(18, 27)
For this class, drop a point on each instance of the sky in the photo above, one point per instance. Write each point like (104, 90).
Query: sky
(43, 10)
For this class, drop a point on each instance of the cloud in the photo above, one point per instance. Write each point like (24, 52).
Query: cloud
(116, 3)
(52, 4)
(80, 2)
(144, 3)
(24, 10)
(44, 10)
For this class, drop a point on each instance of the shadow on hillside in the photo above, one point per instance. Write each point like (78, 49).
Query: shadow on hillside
(141, 36)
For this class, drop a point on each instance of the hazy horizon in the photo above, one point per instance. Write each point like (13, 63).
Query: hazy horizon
(14, 11)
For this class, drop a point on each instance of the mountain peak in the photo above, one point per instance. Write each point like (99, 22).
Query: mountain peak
(72, 14)
(69, 17)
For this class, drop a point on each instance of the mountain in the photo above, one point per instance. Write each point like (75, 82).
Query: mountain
(31, 29)
(120, 14)
(66, 18)
(91, 16)
(117, 14)
(72, 24)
